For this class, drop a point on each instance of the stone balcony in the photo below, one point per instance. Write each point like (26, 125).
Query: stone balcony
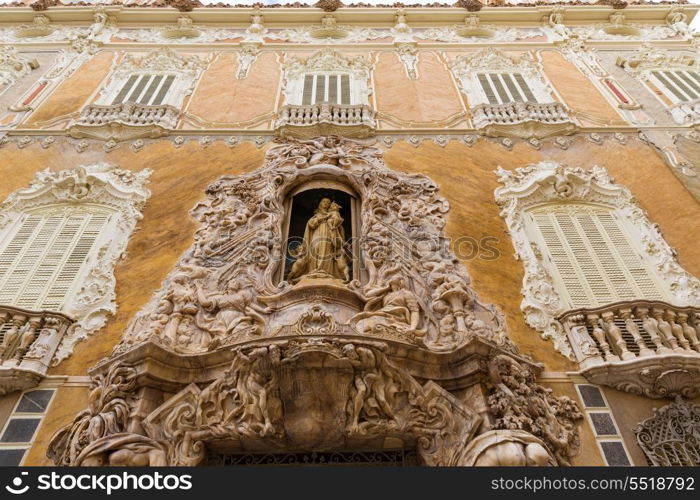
(642, 347)
(523, 120)
(125, 121)
(687, 113)
(354, 121)
(29, 340)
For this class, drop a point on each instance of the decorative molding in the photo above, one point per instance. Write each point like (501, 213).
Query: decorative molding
(13, 65)
(472, 31)
(670, 437)
(329, 32)
(620, 30)
(120, 191)
(246, 57)
(648, 58)
(327, 60)
(549, 182)
(184, 31)
(409, 57)
(227, 341)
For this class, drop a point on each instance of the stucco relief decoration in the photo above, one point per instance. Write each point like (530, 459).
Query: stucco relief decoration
(183, 31)
(649, 58)
(618, 28)
(229, 305)
(43, 30)
(552, 182)
(326, 60)
(121, 191)
(14, 65)
(473, 31)
(329, 32)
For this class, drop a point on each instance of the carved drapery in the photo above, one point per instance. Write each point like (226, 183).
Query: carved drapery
(111, 189)
(671, 437)
(257, 363)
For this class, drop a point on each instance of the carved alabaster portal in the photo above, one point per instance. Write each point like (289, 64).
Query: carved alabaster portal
(233, 357)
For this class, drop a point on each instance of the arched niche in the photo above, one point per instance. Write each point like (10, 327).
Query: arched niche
(300, 204)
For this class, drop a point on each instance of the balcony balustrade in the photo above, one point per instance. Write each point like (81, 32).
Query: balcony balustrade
(326, 119)
(523, 119)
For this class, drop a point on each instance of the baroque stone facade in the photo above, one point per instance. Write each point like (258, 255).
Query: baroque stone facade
(443, 235)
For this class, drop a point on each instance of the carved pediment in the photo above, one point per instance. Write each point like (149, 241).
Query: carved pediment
(649, 57)
(13, 65)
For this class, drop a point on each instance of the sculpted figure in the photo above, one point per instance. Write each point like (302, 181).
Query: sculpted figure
(230, 312)
(393, 305)
(322, 253)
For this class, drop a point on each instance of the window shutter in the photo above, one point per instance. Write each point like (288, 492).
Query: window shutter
(488, 90)
(155, 82)
(513, 87)
(164, 89)
(41, 263)
(661, 77)
(125, 90)
(136, 93)
(498, 85)
(320, 89)
(592, 255)
(333, 89)
(692, 84)
(345, 89)
(525, 88)
(308, 89)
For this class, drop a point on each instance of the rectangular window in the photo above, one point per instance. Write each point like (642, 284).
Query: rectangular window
(18, 432)
(42, 261)
(603, 425)
(592, 256)
(321, 88)
(678, 85)
(145, 89)
(503, 88)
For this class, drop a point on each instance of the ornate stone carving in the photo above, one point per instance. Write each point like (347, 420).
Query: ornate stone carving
(619, 29)
(671, 437)
(552, 182)
(329, 32)
(118, 190)
(472, 31)
(14, 66)
(246, 57)
(330, 61)
(183, 31)
(254, 362)
(409, 57)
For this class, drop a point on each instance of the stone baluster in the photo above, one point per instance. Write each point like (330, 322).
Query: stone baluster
(688, 331)
(616, 335)
(677, 330)
(651, 327)
(599, 335)
(626, 314)
(665, 329)
(18, 320)
(28, 337)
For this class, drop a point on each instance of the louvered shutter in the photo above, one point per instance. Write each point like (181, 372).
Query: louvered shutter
(524, 87)
(683, 85)
(592, 256)
(126, 88)
(488, 89)
(320, 89)
(308, 90)
(345, 89)
(43, 260)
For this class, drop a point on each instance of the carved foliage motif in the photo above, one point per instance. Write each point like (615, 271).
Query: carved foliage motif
(518, 403)
(120, 191)
(551, 182)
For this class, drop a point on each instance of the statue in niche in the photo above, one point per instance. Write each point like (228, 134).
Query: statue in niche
(392, 305)
(322, 252)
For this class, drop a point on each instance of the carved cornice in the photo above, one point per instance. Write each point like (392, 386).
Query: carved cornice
(120, 191)
(162, 60)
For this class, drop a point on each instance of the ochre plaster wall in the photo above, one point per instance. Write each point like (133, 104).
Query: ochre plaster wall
(465, 177)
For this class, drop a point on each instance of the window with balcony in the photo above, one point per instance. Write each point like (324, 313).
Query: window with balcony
(678, 85)
(326, 94)
(601, 281)
(142, 98)
(509, 96)
(61, 239)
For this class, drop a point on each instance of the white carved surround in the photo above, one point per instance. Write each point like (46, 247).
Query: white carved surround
(13, 65)
(648, 59)
(490, 60)
(329, 62)
(98, 186)
(162, 61)
(550, 182)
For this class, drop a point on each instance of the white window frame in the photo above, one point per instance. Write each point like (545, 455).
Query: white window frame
(549, 182)
(326, 62)
(91, 298)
